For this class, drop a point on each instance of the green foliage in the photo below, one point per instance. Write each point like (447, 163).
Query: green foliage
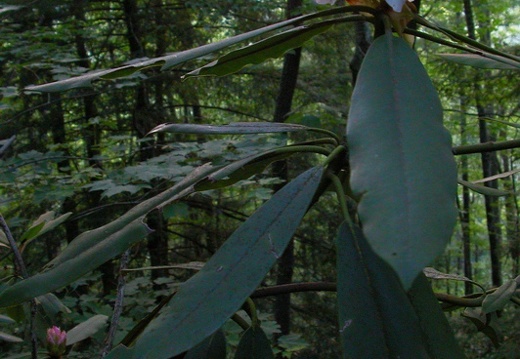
(395, 178)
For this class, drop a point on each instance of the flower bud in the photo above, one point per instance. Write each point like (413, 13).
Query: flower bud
(56, 342)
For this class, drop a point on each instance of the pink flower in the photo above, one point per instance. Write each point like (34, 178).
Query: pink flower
(56, 341)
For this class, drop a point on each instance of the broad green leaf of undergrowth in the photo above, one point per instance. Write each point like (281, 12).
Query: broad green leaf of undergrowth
(401, 159)
(203, 303)
(93, 248)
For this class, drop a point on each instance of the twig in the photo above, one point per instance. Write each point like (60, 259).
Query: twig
(118, 306)
(22, 270)
(18, 260)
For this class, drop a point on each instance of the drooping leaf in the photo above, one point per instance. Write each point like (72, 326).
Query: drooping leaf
(235, 128)
(500, 297)
(272, 47)
(68, 271)
(401, 159)
(482, 322)
(440, 339)
(376, 319)
(210, 297)
(254, 345)
(488, 191)
(433, 273)
(86, 329)
(168, 61)
(483, 61)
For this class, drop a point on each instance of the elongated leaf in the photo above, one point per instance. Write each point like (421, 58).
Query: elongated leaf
(213, 347)
(235, 128)
(433, 273)
(483, 61)
(165, 62)
(254, 345)
(92, 248)
(499, 298)
(73, 269)
(86, 329)
(6, 319)
(204, 302)
(240, 170)
(272, 47)
(488, 191)
(440, 340)
(401, 159)
(10, 338)
(376, 319)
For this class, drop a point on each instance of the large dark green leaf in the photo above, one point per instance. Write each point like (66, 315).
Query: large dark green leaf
(401, 159)
(254, 345)
(376, 319)
(440, 341)
(204, 302)
(92, 248)
(272, 47)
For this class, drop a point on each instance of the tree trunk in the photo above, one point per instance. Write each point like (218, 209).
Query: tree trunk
(464, 209)
(489, 162)
(285, 268)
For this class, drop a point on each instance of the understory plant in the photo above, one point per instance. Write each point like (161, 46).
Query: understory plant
(394, 176)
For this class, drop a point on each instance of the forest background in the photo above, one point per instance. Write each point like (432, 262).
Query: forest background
(83, 156)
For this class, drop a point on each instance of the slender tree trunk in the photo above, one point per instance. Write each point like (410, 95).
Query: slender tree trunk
(464, 208)
(511, 214)
(285, 268)
(489, 163)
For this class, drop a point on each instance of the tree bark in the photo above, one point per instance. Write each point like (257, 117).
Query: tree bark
(490, 164)
(285, 268)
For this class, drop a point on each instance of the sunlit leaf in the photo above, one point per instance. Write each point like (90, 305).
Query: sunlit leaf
(10, 338)
(488, 191)
(86, 329)
(500, 297)
(236, 128)
(272, 47)
(402, 163)
(433, 273)
(483, 60)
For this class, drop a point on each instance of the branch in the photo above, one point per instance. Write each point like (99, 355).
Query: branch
(118, 306)
(294, 288)
(20, 267)
(485, 147)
